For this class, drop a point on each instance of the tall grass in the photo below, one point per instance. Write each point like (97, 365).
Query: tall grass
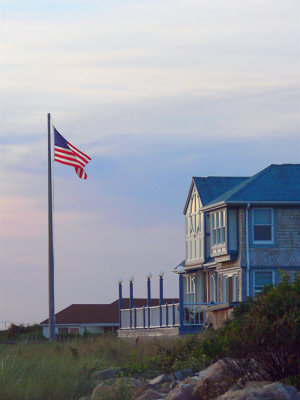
(62, 371)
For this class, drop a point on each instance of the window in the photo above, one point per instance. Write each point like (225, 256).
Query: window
(213, 288)
(230, 288)
(74, 330)
(63, 330)
(190, 284)
(263, 225)
(218, 220)
(194, 229)
(262, 278)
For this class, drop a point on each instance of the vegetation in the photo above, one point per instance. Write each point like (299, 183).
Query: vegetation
(265, 333)
(22, 332)
(259, 343)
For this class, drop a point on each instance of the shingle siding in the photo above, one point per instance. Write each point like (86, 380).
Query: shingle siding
(287, 250)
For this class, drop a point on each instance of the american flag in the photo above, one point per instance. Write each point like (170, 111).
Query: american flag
(66, 153)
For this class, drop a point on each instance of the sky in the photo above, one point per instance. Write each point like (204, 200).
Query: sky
(155, 92)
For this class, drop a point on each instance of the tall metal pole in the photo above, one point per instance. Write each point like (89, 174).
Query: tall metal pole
(50, 242)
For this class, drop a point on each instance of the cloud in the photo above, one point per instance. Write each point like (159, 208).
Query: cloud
(155, 92)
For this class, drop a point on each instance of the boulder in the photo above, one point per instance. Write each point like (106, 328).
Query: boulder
(262, 391)
(214, 372)
(101, 392)
(180, 375)
(182, 392)
(116, 389)
(158, 380)
(212, 381)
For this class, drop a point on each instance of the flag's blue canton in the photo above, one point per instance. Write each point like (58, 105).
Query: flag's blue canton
(60, 140)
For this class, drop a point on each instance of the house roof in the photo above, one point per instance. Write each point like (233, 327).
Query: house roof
(211, 187)
(98, 313)
(276, 183)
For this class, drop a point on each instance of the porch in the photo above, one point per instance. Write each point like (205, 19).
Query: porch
(162, 320)
(174, 318)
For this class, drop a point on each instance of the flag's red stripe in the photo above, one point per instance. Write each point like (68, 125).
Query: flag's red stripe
(75, 159)
(89, 158)
(72, 164)
(69, 159)
(82, 158)
(80, 172)
(86, 160)
(70, 153)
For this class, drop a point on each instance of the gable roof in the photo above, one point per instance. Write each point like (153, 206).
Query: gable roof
(98, 313)
(211, 187)
(276, 183)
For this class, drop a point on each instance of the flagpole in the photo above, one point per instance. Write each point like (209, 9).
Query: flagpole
(50, 241)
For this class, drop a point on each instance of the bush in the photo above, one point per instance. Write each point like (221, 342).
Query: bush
(264, 334)
(22, 332)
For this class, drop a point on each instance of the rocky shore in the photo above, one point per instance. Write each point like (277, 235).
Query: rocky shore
(214, 382)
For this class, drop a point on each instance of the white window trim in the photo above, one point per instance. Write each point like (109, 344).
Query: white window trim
(272, 226)
(224, 226)
(262, 270)
(190, 287)
(194, 232)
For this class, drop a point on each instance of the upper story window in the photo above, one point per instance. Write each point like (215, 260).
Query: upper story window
(218, 224)
(263, 225)
(193, 216)
(194, 228)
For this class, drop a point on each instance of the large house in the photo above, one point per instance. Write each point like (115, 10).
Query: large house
(241, 233)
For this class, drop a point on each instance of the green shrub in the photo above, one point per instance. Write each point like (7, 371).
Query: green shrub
(264, 333)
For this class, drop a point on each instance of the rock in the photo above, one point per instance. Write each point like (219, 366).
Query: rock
(104, 374)
(129, 383)
(213, 371)
(101, 392)
(118, 389)
(262, 391)
(212, 381)
(165, 387)
(160, 380)
(173, 385)
(150, 394)
(180, 375)
(183, 392)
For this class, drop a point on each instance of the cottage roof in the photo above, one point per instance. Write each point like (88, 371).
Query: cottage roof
(98, 313)
(211, 187)
(276, 183)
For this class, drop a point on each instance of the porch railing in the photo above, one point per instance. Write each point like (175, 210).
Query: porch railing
(165, 316)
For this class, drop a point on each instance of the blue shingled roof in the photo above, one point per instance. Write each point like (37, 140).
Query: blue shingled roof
(213, 186)
(276, 183)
